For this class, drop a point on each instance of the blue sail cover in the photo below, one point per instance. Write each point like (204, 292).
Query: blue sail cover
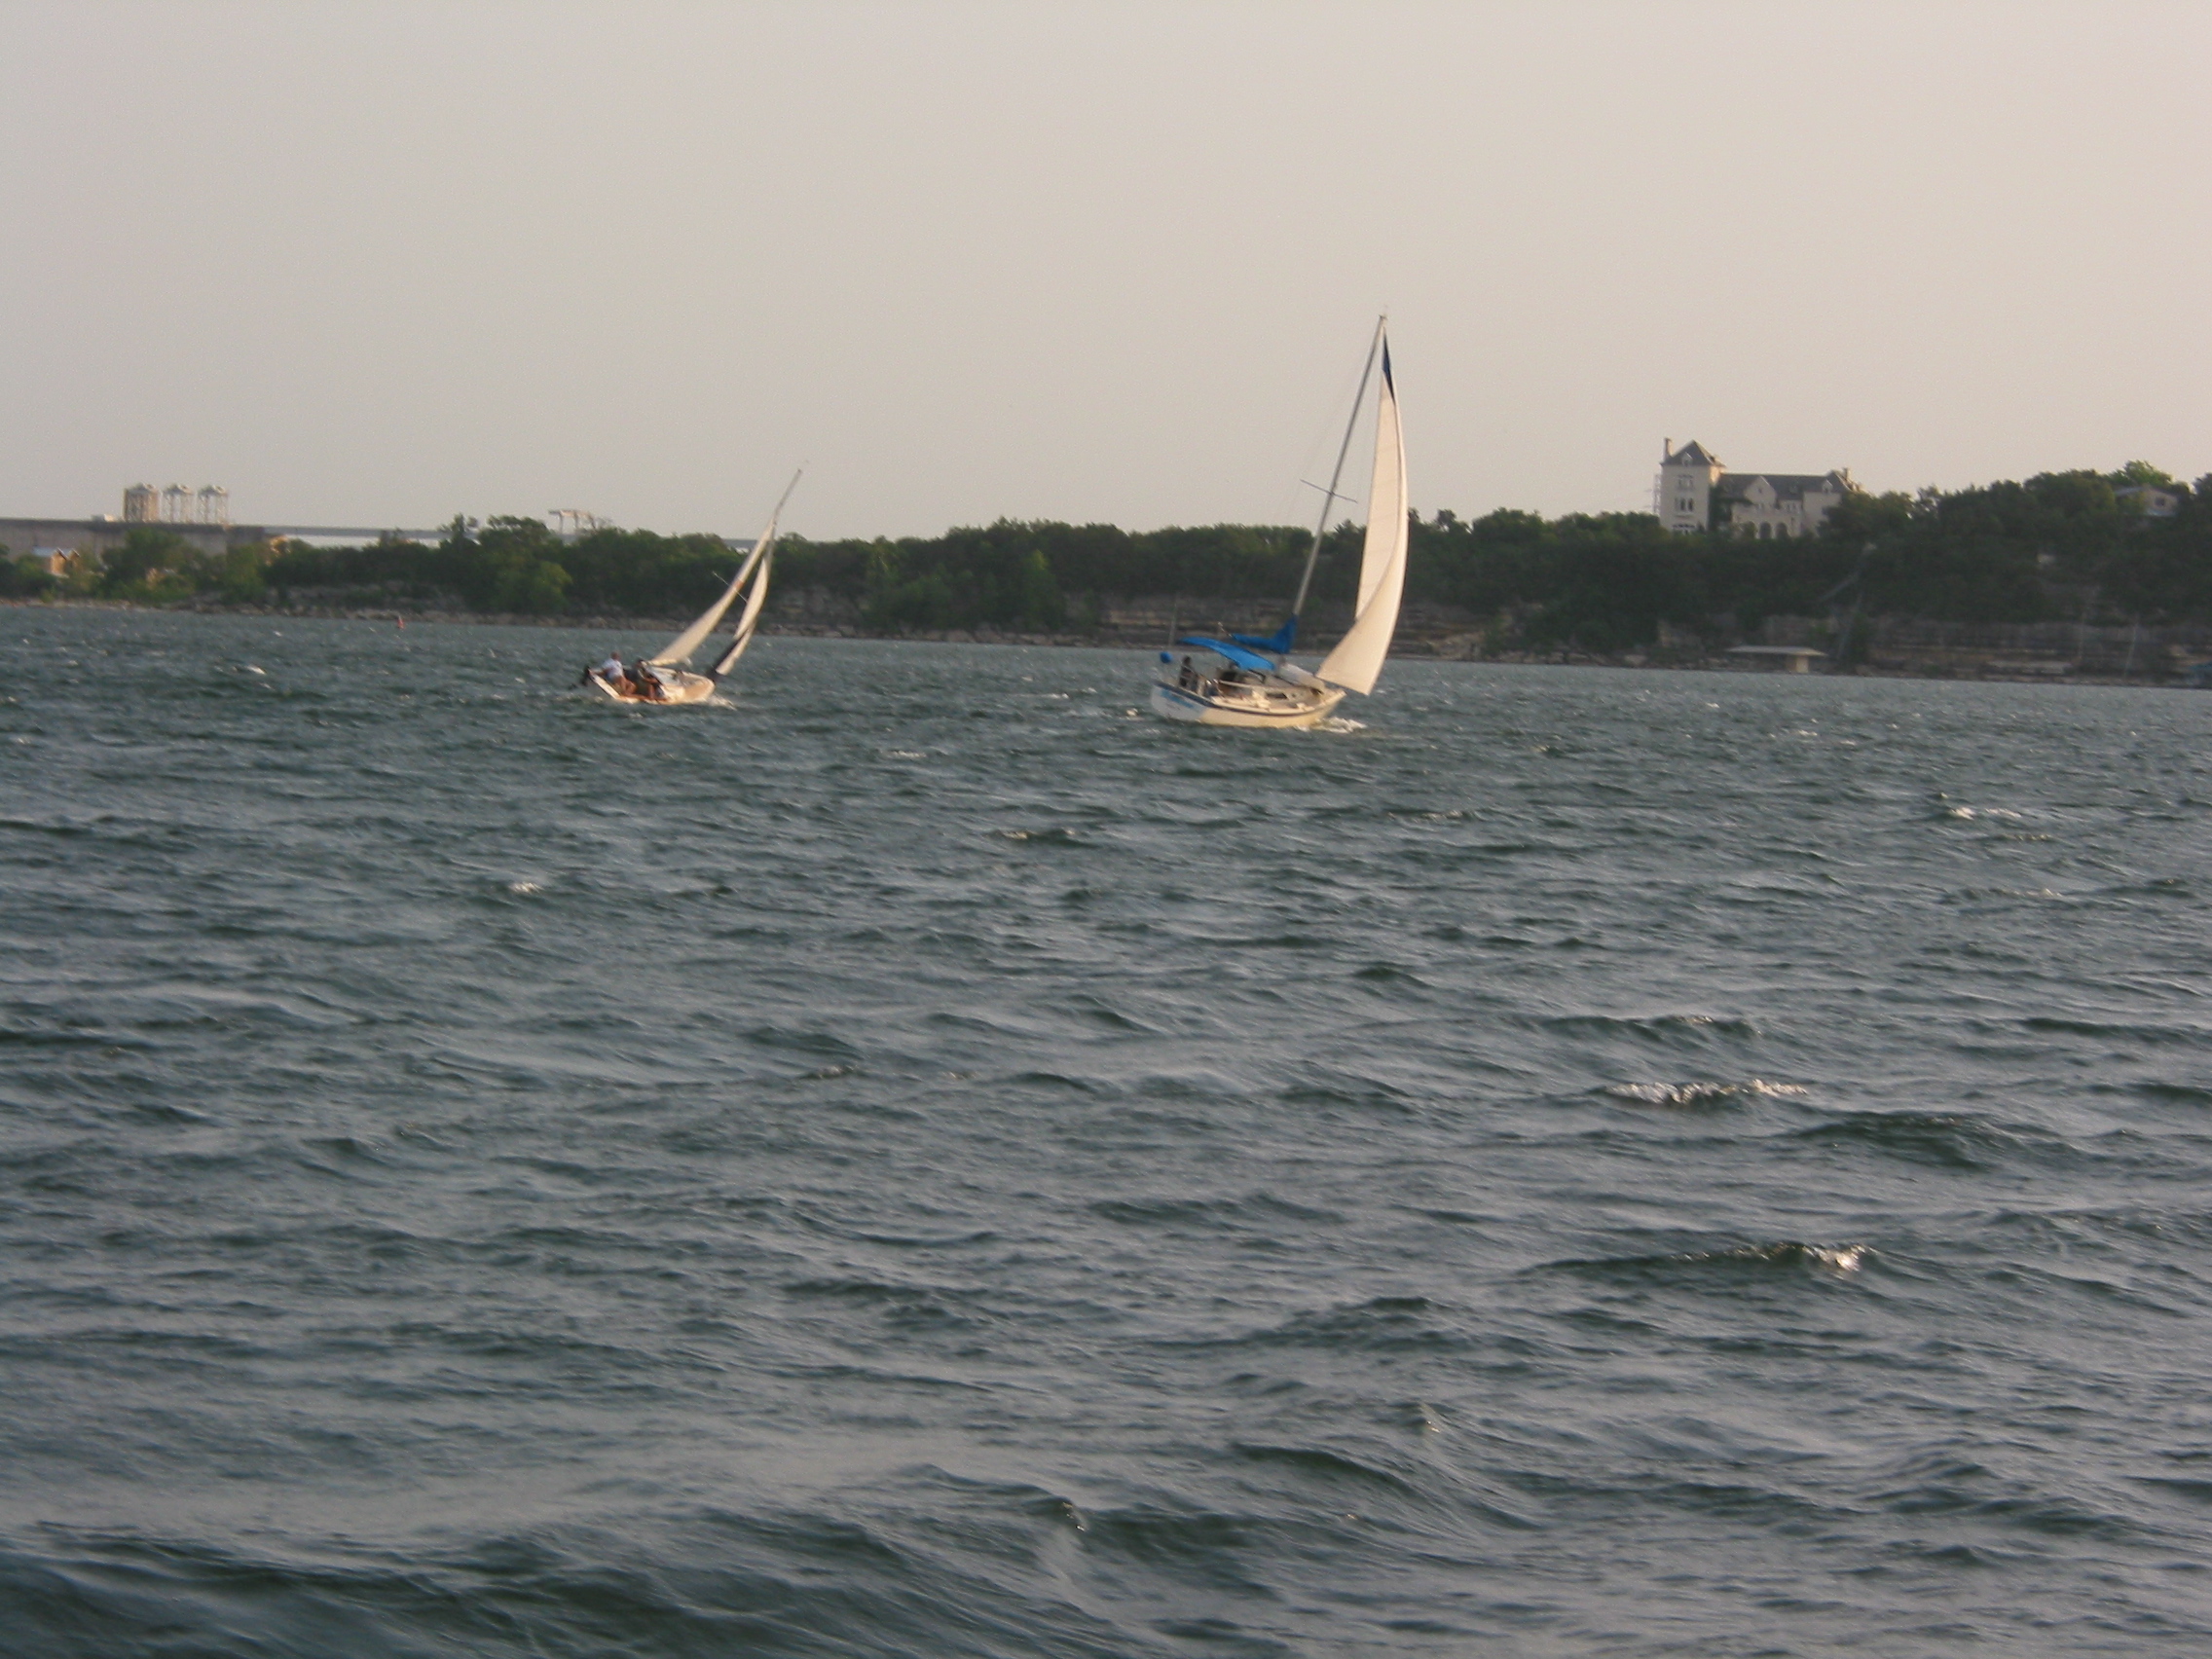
(1279, 641)
(1236, 654)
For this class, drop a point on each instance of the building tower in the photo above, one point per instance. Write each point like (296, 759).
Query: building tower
(1686, 480)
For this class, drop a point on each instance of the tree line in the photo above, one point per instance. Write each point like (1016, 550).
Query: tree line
(2060, 545)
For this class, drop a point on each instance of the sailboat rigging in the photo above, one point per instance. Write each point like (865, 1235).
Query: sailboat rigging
(1255, 684)
(665, 677)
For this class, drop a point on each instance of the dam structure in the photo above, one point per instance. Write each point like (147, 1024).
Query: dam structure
(199, 518)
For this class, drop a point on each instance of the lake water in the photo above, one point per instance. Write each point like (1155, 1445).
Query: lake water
(919, 1158)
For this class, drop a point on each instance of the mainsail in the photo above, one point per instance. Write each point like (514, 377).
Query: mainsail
(678, 651)
(1357, 660)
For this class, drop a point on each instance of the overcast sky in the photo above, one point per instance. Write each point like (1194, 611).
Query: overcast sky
(379, 263)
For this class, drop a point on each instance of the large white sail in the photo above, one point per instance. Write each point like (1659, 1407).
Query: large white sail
(678, 650)
(1357, 661)
(749, 616)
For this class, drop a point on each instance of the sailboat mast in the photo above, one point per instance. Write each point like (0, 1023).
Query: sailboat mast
(785, 496)
(1320, 528)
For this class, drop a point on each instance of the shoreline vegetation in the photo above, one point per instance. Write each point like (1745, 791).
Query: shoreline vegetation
(2081, 575)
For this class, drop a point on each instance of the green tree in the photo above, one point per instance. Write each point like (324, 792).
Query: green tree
(1040, 598)
(24, 577)
(514, 564)
(240, 579)
(146, 562)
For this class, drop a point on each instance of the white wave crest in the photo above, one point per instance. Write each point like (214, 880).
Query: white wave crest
(1698, 1093)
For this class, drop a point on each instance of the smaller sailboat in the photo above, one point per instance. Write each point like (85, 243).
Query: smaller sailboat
(666, 675)
(1252, 681)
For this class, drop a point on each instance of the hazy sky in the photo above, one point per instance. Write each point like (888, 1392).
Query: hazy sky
(379, 263)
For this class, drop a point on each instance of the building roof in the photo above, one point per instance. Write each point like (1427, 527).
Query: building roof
(1786, 486)
(2157, 500)
(1693, 454)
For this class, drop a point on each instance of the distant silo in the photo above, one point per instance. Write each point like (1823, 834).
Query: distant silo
(141, 504)
(176, 504)
(213, 504)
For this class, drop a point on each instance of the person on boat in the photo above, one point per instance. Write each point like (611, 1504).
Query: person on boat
(612, 670)
(1187, 675)
(649, 685)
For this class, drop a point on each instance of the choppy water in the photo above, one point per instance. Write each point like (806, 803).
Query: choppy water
(916, 1161)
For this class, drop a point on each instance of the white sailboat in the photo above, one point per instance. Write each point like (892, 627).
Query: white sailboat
(665, 677)
(1254, 682)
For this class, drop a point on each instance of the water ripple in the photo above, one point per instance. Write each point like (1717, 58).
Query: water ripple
(907, 1159)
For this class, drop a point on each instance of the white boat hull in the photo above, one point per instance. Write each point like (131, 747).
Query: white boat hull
(1284, 707)
(681, 688)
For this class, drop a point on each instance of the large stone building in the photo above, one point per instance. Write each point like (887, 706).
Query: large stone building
(1697, 492)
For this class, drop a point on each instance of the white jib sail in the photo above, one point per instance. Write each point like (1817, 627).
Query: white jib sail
(749, 616)
(1357, 661)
